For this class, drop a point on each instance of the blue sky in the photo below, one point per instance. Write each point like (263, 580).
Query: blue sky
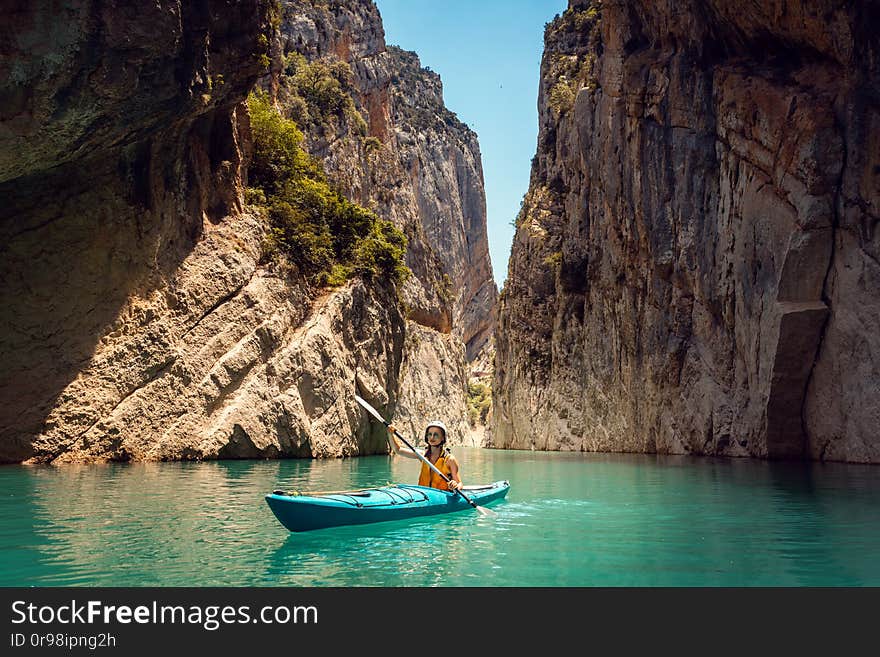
(488, 55)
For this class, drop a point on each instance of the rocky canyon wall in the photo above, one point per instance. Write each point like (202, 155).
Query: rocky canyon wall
(414, 162)
(695, 268)
(119, 156)
(141, 320)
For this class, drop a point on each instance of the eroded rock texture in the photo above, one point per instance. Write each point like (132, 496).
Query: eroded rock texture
(442, 157)
(695, 269)
(416, 164)
(139, 322)
(118, 155)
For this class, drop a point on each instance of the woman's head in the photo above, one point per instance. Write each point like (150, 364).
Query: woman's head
(435, 433)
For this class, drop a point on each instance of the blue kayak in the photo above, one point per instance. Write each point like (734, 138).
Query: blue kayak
(307, 511)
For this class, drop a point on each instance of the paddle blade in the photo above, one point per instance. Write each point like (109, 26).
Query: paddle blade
(483, 511)
(372, 411)
(486, 513)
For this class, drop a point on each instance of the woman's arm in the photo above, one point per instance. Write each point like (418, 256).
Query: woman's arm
(400, 451)
(454, 471)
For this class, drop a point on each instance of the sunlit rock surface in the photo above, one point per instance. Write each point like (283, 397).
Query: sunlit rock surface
(140, 322)
(695, 269)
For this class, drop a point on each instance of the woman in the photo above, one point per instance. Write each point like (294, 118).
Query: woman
(437, 453)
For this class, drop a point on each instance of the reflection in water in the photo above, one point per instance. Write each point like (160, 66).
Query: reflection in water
(569, 520)
(816, 512)
(422, 552)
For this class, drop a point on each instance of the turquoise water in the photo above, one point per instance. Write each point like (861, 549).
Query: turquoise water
(569, 520)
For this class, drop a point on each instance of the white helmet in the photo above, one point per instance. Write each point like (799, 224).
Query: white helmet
(439, 424)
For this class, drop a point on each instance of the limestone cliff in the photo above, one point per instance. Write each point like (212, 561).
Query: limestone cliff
(411, 160)
(141, 320)
(442, 157)
(119, 153)
(695, 268)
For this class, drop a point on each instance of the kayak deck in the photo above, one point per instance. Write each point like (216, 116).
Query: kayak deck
(307, 511)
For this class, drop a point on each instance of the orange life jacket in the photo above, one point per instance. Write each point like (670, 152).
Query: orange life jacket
(427, 477)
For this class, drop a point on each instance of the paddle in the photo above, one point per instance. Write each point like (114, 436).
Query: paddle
(484, 511)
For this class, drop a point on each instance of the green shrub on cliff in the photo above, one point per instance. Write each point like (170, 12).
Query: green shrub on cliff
(554, 261)
(572, 73)
(578, 18)
(382, 251)
(572, 68)
(372, 144)
(278, 155)
(561, 97)
(479, 402)
(324, 85)
(320, 92)
(325, 235)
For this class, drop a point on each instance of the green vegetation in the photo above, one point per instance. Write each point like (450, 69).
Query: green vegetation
(562, 95)
(572, 73)
(262, 52)
(579, 19)
(275, 14)
(311, 224)
(575, 70)
(479, 402)
(554, 261)
(372, 144)
(445, 289)
(585, 19)
(319, 93)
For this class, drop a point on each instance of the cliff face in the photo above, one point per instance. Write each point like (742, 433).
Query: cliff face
(413, 162)
(112, 136)
(140, 320)
(695, 269)
(428, 166)
(442, 157)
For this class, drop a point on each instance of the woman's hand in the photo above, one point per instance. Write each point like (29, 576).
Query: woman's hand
(391, 440)
(396, 448)
(454, 485)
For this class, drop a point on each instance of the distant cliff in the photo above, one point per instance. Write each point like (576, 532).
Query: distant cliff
(442, 155)
(695, 267)
(142, 317)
